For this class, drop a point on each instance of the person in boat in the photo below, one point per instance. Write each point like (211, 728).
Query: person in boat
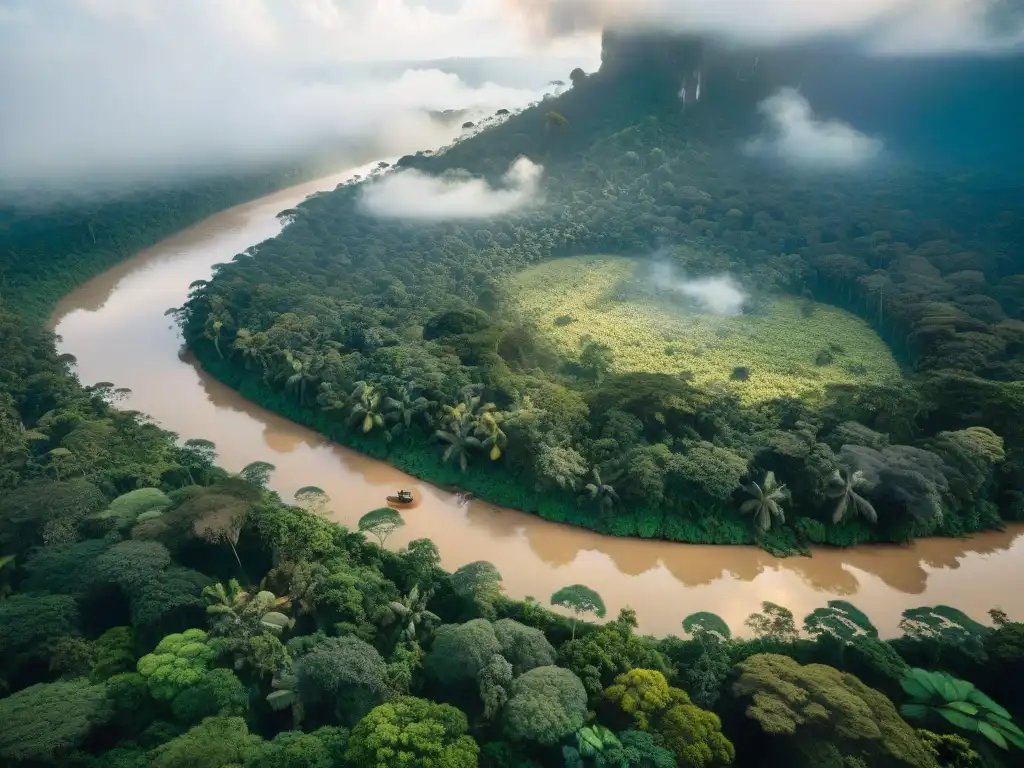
(405, 496)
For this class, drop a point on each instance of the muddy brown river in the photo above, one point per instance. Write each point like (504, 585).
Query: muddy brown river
(116, 328)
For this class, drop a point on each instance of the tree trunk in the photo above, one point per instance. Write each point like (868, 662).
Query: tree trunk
(241, 567)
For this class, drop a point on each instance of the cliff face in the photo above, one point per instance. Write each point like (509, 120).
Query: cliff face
(948, 110)
(663, 69)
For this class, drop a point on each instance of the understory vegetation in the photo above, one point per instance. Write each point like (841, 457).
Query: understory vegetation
(400, 337)
(156, 610)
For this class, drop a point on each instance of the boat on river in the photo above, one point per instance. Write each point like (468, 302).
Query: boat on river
(403, 498)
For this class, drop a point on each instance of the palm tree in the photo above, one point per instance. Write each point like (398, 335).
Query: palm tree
(766, 504)
(303, 369)
(598, 491)
(410, 613)
(493, 436)
(366, 409)
(227, 600)
(251, 346)
(400, 412)
(460, 440)
(468, 409)
(212, 329)
(239, 613)
(844, 485)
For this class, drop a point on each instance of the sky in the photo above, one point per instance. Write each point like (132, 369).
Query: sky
(141, 87)
(135, 88)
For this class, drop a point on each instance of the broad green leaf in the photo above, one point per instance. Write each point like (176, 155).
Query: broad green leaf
(1004, 724)
(984, 701)
(947, 688)
(914, 689)
(926, 679)
(992, 735)
(275, 621)
(589, 737)
(915, 711)
(1013, 738)
(963, 689)
(959, 719)
(963, 706)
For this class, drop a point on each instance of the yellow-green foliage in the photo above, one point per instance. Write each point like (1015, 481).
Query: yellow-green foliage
(817, 710)
(693, 734)
(778, 346)
(178, 661)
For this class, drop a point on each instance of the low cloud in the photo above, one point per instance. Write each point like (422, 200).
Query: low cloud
(883, 26)
(111, 92)
(717, 295)
(412, 194)
(796, 136)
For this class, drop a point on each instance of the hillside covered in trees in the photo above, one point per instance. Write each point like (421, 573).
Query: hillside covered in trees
(412, 334)
(51, 241)
(156, 610)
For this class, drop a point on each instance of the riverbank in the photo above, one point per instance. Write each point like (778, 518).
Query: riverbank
(81, 244)
(492, 484)
(114, 325)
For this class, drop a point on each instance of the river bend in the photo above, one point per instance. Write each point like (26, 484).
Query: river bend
(115, 327)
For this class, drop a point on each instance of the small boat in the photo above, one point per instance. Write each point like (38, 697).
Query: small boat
(403, 497)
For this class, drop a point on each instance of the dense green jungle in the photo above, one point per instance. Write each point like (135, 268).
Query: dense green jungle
(157, 610)
(432, 344)
(50, 244)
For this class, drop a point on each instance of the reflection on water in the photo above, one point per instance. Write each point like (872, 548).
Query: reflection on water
(115, 326)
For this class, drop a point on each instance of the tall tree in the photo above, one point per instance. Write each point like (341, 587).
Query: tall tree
(400, 411)
(599, 492)
(546, 705)
(817, 715)
(312, 499)
(461, 441)
(410, 733)
(580, 599)
(365, 410)
(45, 723)
(381, 523)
